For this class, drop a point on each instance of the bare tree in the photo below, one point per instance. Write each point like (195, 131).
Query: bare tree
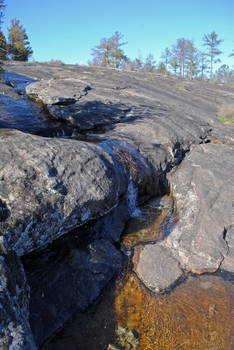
(179, 51)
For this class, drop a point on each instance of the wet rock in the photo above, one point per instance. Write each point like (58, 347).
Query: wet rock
(203, 191)
(17, 81)
(68, 284)
(157, 268)
(15, 332)
(228, 262)
(127, 338)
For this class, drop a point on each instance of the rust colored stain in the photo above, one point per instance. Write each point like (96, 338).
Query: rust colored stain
(197, 315)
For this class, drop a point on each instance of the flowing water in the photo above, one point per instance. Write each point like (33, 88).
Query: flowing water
(196, 315)
(24, 115)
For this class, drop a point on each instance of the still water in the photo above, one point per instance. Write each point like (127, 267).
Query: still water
(196, 315)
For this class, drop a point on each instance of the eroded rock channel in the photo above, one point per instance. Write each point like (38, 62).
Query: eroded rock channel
(65, 199)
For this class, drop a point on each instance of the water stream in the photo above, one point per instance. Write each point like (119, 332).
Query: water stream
(196, 315)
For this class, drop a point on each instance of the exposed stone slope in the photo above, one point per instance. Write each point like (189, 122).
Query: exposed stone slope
(49, 187)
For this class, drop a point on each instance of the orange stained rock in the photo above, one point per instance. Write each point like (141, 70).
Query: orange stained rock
(197, 315)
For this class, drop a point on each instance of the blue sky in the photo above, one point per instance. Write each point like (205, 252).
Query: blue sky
(68, 30)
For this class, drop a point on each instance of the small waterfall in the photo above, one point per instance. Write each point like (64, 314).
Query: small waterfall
(131, 199)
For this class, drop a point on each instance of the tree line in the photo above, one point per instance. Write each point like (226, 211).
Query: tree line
(16, 46)
(182, 59)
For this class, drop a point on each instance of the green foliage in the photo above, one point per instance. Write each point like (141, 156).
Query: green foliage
(162, 68)
(19, 47)
(150, 63)
(224, 74)
(109, 53)
(212, 42)
(3, 47)
(226, 120)
(166, 56)
(174, 64)
(226, 114)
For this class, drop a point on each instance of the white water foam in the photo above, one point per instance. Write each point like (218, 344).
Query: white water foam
(131, 199)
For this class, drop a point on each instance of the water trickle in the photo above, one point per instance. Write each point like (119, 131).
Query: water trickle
(134, 211)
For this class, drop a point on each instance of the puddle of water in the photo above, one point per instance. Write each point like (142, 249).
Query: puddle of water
(196, 315)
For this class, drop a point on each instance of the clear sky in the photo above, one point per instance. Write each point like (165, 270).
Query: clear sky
(68, 30)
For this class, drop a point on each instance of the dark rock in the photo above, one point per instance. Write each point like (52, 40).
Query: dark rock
(15, 332)
(69, 285)
(228, 262)
(90, 115)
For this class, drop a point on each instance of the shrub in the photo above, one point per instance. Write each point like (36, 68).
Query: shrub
(226, 114)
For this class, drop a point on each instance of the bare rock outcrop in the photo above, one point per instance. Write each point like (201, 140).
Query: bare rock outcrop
(203, 191)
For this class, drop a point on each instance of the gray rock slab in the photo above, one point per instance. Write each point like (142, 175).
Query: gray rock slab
(157, 268)
(50, 186)
(204, 192)
(58, 91)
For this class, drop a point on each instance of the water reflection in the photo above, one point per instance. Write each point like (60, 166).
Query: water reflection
(23, 115)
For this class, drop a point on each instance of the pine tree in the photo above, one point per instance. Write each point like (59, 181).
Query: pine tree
(174, 64)
(192, 60)
(212, 42)
(19, 47)
(225, 74)
(109, 53)
(3, 47)
(203, 64)
(150, 63)
(166, 56)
